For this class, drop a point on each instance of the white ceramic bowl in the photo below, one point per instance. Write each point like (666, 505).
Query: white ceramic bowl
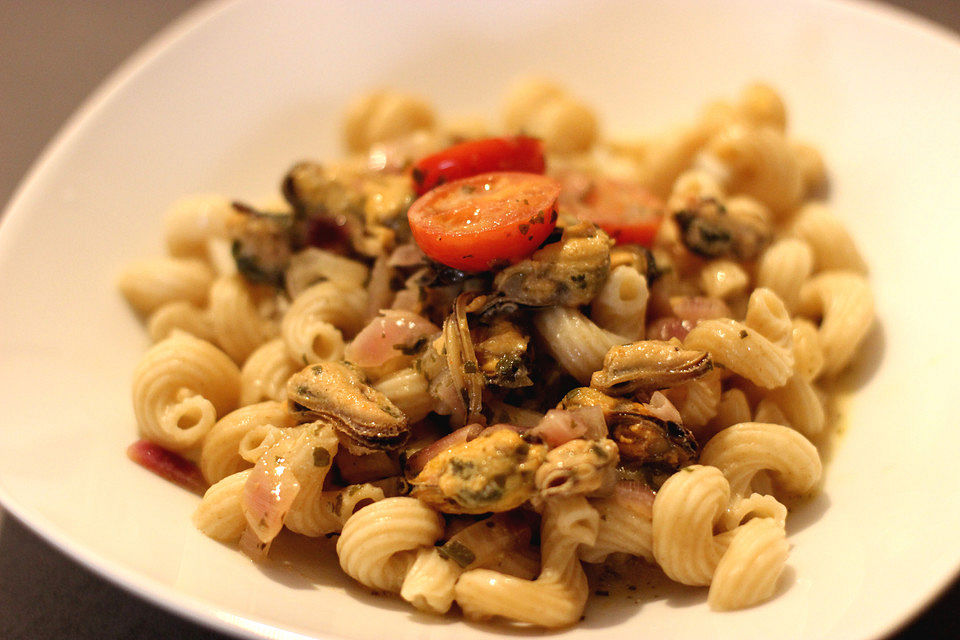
(230, 96)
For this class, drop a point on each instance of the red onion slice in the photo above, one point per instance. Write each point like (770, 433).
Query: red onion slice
(267, 497)
(167, 465)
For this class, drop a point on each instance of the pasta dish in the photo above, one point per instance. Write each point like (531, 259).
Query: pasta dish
(476, 359)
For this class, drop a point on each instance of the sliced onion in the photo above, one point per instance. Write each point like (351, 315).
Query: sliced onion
(669, 327)
(167, 465)
(376, 343)
(662, 408)
(697, 308)
(267, 497)
(635, 493)
(252, 546)
(407, 255)
(379, 291)
(559, 426)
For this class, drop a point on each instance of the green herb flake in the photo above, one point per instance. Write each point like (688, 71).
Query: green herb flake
(457, 552)
(321, 457)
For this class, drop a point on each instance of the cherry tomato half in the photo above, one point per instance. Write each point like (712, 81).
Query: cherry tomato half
(478, 156)
(485, 221)
(625, 210)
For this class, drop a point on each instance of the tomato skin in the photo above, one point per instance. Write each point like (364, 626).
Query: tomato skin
(626, 211)
(478, 156)
(485, 221)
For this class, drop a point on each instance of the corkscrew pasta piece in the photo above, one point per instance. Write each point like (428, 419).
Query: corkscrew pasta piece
(180, 387)
(784, 267)
(833, 247)
(744, 450)
(558, 595)
(767, 315)
(220, 514)
(544, 110)
(150, 283)
(220, 453)
(409, 390)
(574, 341)
(807, 353)
(430, 581)
(626, 526)
(812, 166)
(384, 115)
(732, 409)
(265, 373)
(845, 302)
(621, 305)
(700, 400)
(181, 316)
(313, 327)
(191, 222)
(761, 164)
(723, 279)
(237, 322)
(685, 511)
(800, 404)
(311, 266)
(742, 350)
(696, 184)
(747, 573)
(379, 542)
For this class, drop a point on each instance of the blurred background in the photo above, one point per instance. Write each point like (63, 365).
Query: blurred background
(53, 54)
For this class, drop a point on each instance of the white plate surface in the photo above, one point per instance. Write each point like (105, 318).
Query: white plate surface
(230, 96)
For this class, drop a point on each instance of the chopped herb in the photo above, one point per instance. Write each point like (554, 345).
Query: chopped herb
(469, 367)
(321, 457)
(413, 348)
(524, 228)
(458, 552)
(743, 334)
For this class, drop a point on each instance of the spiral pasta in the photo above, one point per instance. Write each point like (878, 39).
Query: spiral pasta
(314, 325)
(844, 300)
(558, 595)
(150, 283)
(574, 340)
(744, 450)
(380, 541)
(180, 387)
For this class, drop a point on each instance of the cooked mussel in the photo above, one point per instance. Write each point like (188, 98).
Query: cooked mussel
(491, 473)
(710, 231)
(648, 365)
(365, 419)
(568, 273)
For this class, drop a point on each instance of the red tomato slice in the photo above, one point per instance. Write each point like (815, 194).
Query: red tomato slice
(625, 210)
(485, 221)
(478, 156)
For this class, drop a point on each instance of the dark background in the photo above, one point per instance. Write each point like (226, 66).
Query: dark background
(53, 53)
